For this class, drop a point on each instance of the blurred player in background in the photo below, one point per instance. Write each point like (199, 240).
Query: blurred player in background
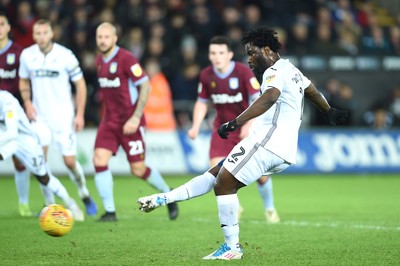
(271, 145)
(125, 88)
(46, 69)
(231, 87)
(17, 138)
(9, 63)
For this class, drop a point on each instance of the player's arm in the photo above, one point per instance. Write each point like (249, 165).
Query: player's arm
(80, 102)
(260, 106)
(26, 94)
(199, 113)
(311, 93)
(332, 115)
(133, 122)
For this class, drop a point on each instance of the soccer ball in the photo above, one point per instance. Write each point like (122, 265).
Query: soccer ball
(56, 220)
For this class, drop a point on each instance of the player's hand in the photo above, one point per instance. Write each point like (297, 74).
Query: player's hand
(79, 123)
(192, 133)
(335, 116)
(224, 129)
(131, 126)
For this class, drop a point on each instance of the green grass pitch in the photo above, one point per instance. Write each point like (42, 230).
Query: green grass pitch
(326, 220)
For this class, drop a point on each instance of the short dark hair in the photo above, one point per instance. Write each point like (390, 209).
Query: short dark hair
(261, 37)
(2, 14)
(221, 40)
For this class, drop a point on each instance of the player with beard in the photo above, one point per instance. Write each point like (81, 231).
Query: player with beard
(125, 89)
(45, 72)
(231, 87)
(271, 145)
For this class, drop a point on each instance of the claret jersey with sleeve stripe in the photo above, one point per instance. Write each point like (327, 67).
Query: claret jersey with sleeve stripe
(9, 63)
(277, 129)
(119, 76)
(50, 75)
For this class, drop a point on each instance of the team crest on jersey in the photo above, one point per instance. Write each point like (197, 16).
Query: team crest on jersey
(136, 70)
(113, 67)
(213, 84)
(269, 78)
(10, 59)
(233, 83)
(254, 83)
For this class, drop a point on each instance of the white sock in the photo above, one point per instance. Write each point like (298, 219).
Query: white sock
(267, 194)
(228, 207)
(58, 189)
(105, 186)
(22, 179)
(157, 181)
(48, 195)
(195, 187)
(78, 177)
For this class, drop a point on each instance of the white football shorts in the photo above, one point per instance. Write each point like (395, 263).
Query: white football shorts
(64, 137)
(248, 161)
(30, 154)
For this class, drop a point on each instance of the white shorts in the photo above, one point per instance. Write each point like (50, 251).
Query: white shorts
(64, 137)
(28, 151)
(248, 161)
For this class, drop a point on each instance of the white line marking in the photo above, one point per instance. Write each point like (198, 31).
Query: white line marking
(350, 225)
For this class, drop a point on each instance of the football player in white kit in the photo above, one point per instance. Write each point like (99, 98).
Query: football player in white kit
(17, 138)
(46, 69)
(271, 145)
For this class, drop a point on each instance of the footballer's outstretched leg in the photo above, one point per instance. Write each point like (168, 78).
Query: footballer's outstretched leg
(149, 203)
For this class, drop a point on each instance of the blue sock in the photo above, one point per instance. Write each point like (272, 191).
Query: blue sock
(22, 179)
(267, 194)
(105, 185)
(157, 181)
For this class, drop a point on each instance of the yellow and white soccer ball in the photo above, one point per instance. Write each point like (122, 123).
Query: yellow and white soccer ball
(56, 220)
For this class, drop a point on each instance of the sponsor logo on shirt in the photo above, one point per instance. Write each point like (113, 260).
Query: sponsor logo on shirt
(269, 78)
(226, 98)
(7, 74)
(233, 83)
(254, 83)
(109, 83)
(44, 73)
(113, 67)
(11, 58)
(136, 70)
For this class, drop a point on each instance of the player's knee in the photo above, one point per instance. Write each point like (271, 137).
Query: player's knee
(70, 162)
(19, 167)
(142, 172)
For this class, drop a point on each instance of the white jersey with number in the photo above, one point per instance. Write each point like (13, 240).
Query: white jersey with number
(17, 137)
(50, 77)
(277, 129)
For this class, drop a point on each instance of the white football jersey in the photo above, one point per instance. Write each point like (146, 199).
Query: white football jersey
(277, 129)
(50, 77)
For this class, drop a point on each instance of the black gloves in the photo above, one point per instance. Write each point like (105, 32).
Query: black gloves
(335, 116)
(227, 127)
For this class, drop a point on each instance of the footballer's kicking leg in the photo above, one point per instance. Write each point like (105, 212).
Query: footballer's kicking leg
(153, 177)
(76, 174)
(264, 185)
(195, 187)
(22, 180)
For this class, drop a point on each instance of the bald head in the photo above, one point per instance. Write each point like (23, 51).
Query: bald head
(106, 38)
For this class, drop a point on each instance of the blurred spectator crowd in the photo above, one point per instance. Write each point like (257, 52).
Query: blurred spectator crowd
(174, 34)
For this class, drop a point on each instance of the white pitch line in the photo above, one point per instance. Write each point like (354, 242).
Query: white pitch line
(317, 224)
